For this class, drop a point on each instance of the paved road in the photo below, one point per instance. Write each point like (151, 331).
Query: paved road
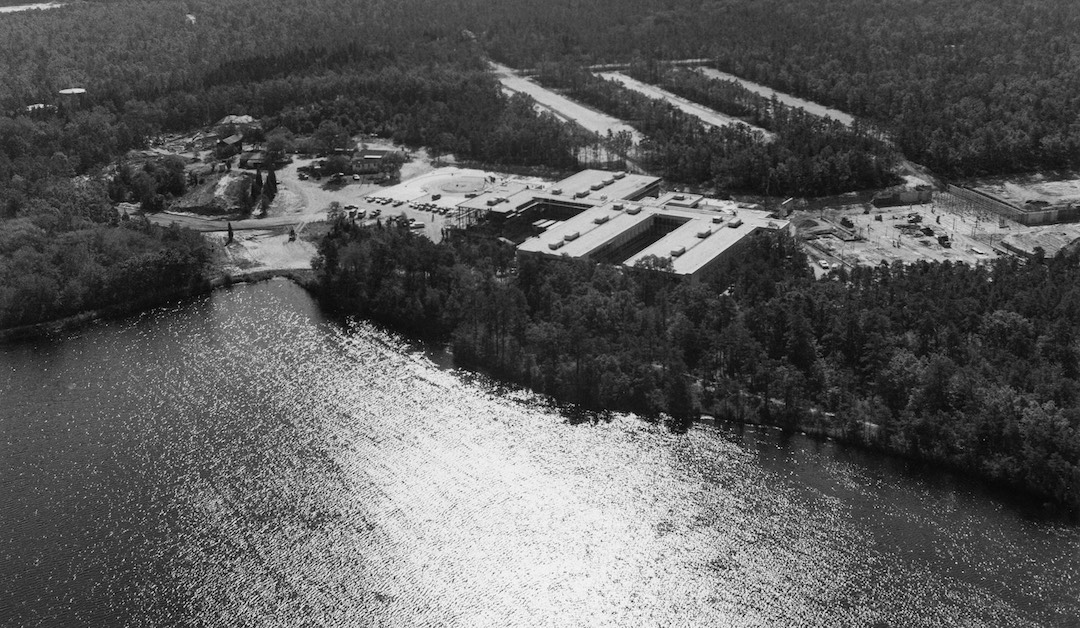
(198, 223)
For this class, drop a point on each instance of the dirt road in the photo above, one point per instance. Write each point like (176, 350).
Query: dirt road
(563, 107)
(787, 99)
(706, 115)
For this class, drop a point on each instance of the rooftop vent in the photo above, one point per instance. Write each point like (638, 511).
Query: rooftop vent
(633, 210)
(735, 222)
(555, 245)
(679, 251)
(704, 233)
(619, 175)
(556, 191)
(717, 219)
(570, 237)
(601, 219)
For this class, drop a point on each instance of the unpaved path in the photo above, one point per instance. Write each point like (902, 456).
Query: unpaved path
(563, 107)
(41, 6)
(705, 114)
(787, 99)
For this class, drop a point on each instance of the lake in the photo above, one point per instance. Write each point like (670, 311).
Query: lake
(239, 460)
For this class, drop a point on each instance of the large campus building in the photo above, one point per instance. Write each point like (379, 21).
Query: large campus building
(618, 218)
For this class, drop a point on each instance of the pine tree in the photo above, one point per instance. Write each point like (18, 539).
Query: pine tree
(270, 188)
(257, 186)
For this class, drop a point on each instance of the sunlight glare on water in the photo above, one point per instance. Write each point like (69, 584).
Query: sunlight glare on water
(237, 461)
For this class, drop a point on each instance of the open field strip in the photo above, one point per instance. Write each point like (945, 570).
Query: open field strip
(30, 7)
(562, 107)
(706, 115)
(787, 99)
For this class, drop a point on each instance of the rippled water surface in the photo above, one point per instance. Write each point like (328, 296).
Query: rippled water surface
(238, 461)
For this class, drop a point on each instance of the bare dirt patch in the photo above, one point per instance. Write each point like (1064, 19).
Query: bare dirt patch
(564, 108)
(787, 99)
(705, 114)
(1037, 189)
(262, 250)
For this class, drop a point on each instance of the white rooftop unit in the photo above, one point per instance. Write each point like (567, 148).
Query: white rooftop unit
(601, 219)
(735, 222)
(570, 237)
(679, 251)
(555, 245)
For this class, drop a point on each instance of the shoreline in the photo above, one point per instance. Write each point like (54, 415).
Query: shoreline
(742, 415)
(221, 280)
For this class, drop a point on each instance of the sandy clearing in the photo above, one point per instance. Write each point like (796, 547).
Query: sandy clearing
(563, 107)
(787, 99)
(1031, 188)
(706, 115)
(263, 250)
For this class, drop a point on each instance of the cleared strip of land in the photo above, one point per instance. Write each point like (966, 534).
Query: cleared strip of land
(563, 107)
(787, 99)
(706, 115)
(29, 7)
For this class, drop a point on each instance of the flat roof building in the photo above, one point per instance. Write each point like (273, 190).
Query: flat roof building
(601, 186)
(696, 241)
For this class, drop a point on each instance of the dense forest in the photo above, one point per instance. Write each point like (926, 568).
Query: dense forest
(808, 156)
(973, 367)
(965, 87)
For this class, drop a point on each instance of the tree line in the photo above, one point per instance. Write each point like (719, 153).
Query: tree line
(972, 367)
(808, 157)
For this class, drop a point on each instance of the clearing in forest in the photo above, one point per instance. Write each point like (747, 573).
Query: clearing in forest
(706, 115)
(787, 99)
(562, 107)
(41, 6)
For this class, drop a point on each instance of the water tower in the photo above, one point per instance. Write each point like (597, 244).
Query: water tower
(71, 99)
